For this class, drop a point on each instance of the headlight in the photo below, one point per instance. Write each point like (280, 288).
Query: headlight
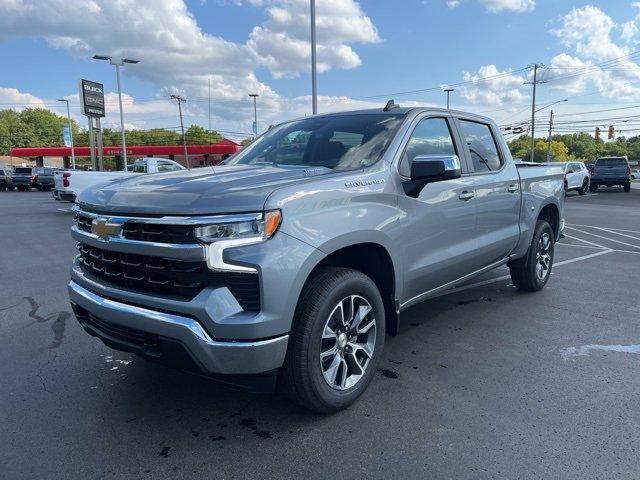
(261, 228)
(220, 236)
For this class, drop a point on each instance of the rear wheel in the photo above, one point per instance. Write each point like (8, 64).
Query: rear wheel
(585, 187)
(593, 188)
(531, 272)
(336, 340)
(3, 186)
(627, 187)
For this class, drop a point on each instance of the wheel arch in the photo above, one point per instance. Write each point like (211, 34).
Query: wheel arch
(374, 260)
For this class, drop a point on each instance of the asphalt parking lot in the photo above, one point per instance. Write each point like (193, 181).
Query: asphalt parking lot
(484, 382)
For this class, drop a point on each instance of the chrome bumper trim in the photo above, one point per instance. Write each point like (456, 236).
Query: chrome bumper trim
(177, 251)
(216, 357)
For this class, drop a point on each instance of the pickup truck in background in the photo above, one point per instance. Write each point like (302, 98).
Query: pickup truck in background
(69, 183)
(611, 171)
(21, 178)
(298, 255)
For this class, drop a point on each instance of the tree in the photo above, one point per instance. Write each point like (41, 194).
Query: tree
(196, 134)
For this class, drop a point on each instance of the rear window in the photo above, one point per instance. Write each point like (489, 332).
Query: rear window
(44, 171)
(22, 170)
(611, 162)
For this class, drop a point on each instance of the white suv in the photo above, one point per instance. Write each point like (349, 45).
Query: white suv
(576, 177)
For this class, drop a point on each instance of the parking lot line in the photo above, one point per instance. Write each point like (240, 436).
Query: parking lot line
(596, 245)
(605, 238)
(618, 233)
(610, 228)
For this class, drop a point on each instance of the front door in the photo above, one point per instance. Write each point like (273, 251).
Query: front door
(439, 244)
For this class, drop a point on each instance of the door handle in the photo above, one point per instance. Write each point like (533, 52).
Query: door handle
(513, 188)
(466, 195)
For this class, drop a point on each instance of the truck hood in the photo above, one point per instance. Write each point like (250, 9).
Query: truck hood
(202, 191)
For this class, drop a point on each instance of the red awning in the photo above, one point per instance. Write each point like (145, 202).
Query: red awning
(224, 147)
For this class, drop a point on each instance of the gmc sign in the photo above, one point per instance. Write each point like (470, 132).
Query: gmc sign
(91, 98)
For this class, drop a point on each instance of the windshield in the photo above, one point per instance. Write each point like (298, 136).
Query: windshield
(611, 162)
(23, 170)
(339, 142)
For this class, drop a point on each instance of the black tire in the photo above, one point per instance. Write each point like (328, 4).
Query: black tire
(585, 187)
(593, 188)
(302, 376)
(524, 271)
(3, 187)
(627, 187)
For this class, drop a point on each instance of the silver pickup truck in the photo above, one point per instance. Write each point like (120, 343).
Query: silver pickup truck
(297, 256)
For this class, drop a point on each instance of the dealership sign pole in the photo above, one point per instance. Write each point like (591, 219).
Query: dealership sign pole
(92, 105)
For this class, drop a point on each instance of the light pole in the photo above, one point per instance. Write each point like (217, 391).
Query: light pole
(180, 100)
(314, 81)
(73, 151)
(119, 64)
(448, 90)
(255, 114)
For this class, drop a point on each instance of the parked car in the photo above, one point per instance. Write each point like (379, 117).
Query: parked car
(21, 178)
(71, 182)
(42, 179)
(576, 177)
(635, 173)
(298, 254)
(611, 171)
(5, 179)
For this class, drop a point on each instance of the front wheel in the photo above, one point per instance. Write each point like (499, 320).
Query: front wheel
(336, 340)
(585, 187)
(531, 272)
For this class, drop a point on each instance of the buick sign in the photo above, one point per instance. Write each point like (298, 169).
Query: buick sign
(91, 98)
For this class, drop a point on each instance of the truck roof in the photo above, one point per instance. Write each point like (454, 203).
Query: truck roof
(405, 111)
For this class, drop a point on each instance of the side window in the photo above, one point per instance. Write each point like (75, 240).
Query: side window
(140, 167)
(165, 167)
(482, 145)
(430, 137)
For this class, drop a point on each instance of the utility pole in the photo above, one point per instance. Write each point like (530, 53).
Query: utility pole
(255, 114)
(550, 130)
(314, 82)
(448, 90)
(209, 81)
(180, 100)
(533, 107)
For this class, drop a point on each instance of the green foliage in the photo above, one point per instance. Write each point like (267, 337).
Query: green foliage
(579, 146)
(39, 127)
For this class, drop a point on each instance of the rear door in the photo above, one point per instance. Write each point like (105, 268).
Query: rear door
(497, 190)
(574, 175)
(438, 244)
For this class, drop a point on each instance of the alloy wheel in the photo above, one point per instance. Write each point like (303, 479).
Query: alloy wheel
(543, 256)
(348, 342)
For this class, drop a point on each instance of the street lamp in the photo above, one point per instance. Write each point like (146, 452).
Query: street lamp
(118, 64)
(255, 114)
(448, 91)
(551, 104)
(314, 80)
(73, 152)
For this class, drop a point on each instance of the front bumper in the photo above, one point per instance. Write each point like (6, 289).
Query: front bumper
(172, 339)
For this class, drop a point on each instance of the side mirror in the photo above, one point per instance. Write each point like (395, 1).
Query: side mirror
(435, 168)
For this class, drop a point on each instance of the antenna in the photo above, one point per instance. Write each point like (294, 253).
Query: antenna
(390, 106)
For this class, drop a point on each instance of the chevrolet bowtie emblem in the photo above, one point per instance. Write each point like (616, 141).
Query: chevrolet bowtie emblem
(104, 229)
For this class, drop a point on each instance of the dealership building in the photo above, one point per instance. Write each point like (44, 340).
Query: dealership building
(199, 155)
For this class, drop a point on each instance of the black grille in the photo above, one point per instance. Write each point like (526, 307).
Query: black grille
(157, 232)
(130, 335)
(180, 279)
(83, 222)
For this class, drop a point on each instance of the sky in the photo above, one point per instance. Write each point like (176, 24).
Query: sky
(368, 52)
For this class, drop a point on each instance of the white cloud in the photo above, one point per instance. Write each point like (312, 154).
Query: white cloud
(176, 55)
(453, 4)
(493, 87)
(588, 31)
(283, 43)
(518, 6)
(10, 97)
(598, 59)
